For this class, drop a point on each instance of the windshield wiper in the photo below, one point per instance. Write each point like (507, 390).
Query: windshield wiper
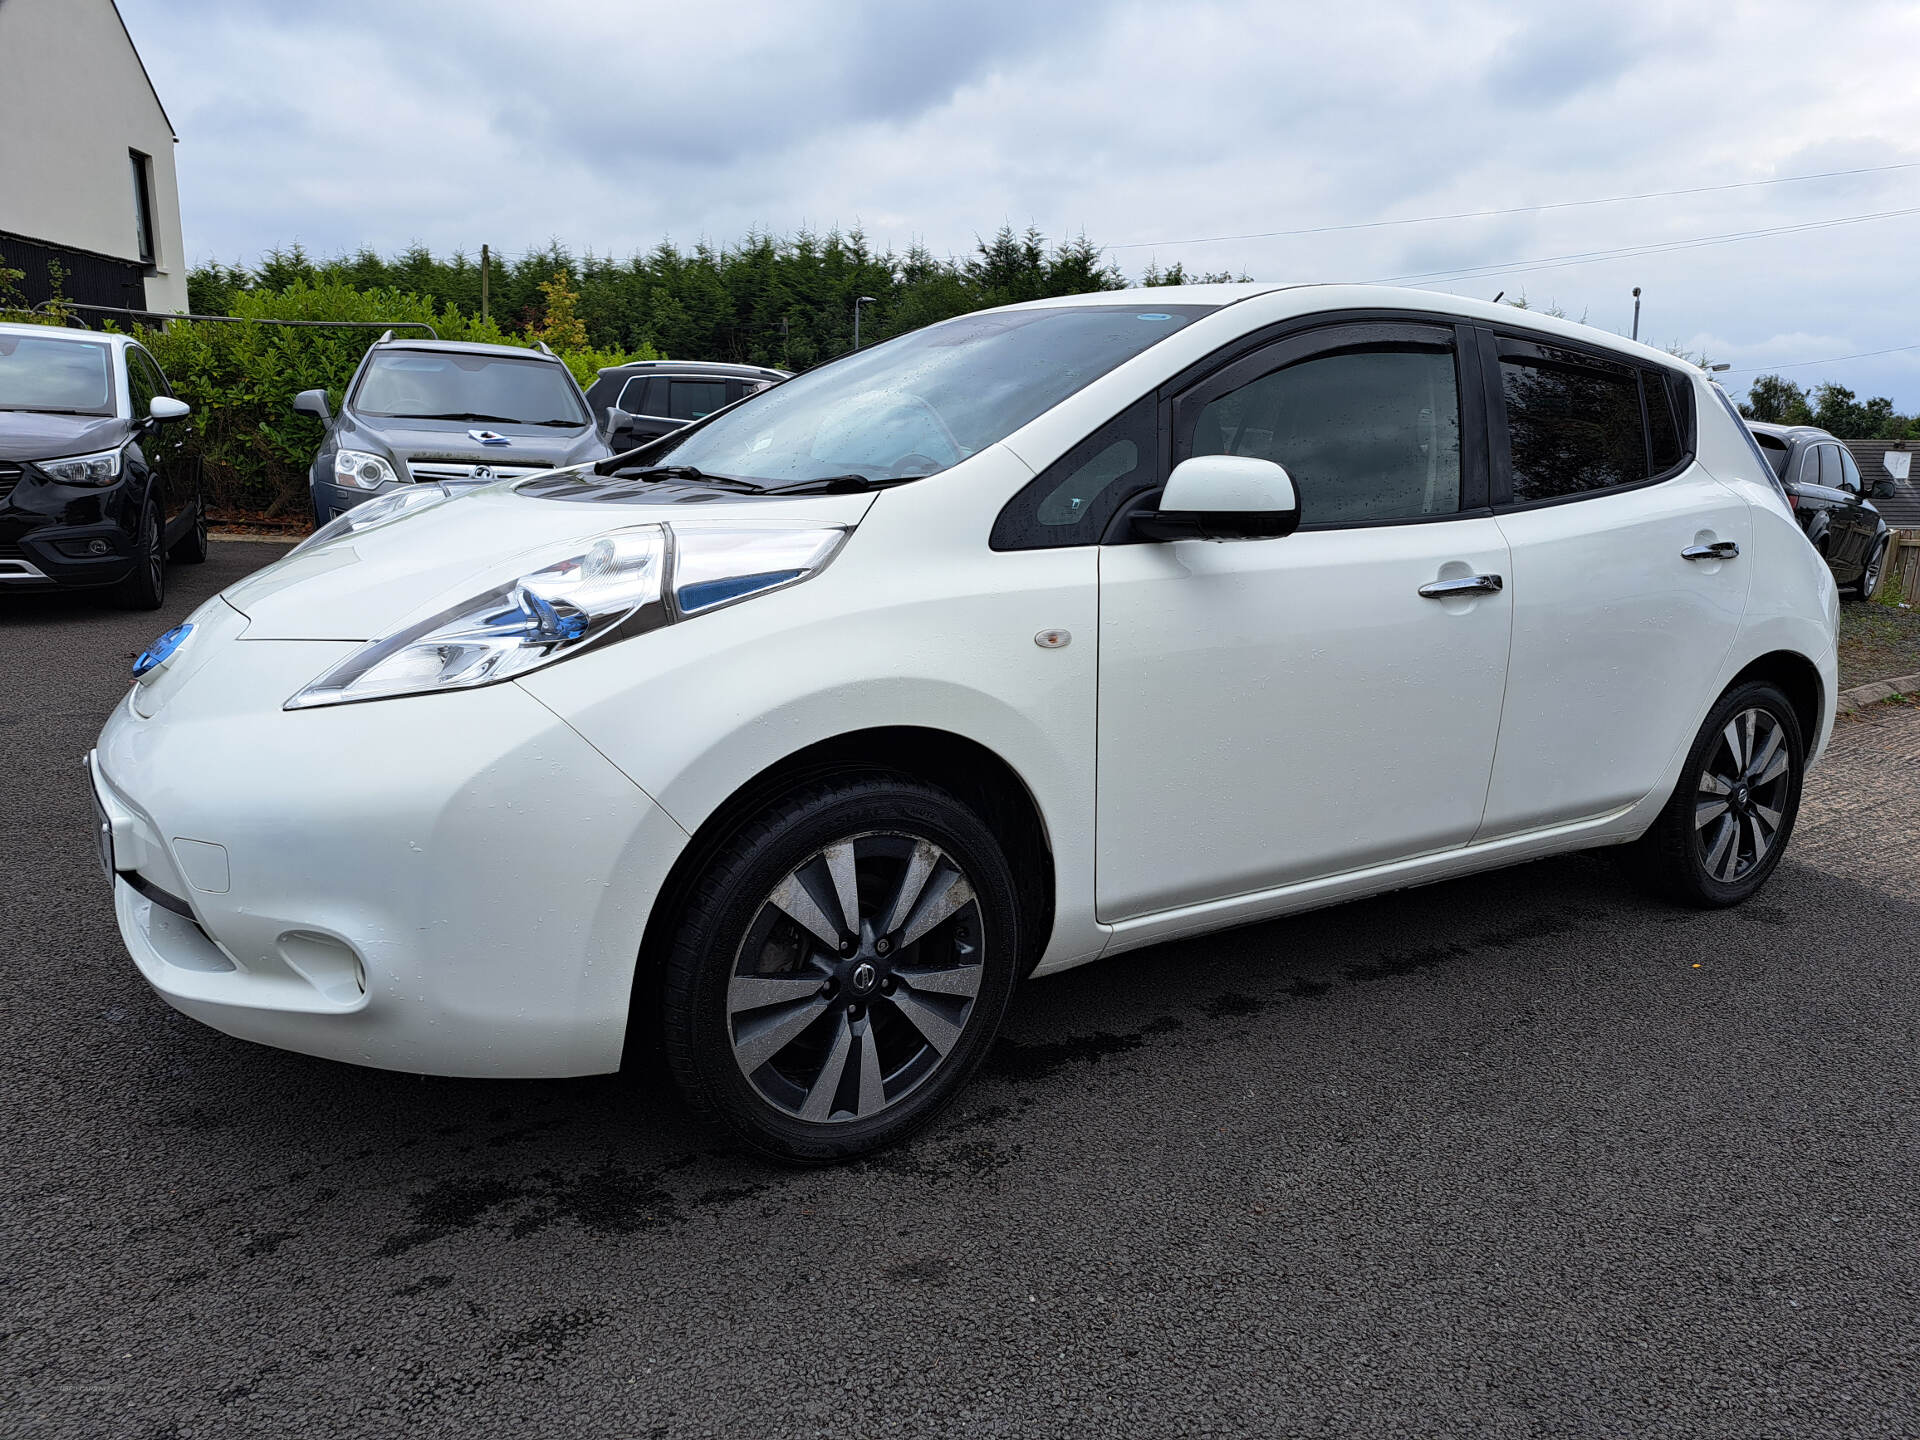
(497, 419)
(689, 472)
(46, 410)
(836, 484)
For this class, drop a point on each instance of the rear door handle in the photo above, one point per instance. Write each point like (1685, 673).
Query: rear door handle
(1465, 585)
(1718, 550)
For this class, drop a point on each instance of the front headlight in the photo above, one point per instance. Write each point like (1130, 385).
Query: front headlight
(563, 601)
(361, 470)
(100, 468)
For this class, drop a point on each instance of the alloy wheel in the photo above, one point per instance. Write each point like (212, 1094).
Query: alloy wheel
(1742, 795)
(156, 556)
(856, 977)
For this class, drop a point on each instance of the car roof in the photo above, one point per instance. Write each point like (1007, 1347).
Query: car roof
(1790, 433)
(697, 367)
(468, 347)
(66, 332)
(1330, 296)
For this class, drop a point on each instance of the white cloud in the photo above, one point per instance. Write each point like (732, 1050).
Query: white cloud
(609, 125)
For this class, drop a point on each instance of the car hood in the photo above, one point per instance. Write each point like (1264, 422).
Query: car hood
(32, 435)
(525, 445)
(360, 586)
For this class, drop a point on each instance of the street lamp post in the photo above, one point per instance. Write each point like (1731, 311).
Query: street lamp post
(862, 300)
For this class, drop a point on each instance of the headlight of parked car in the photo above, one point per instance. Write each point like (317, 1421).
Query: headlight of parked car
(361, 470)
(100, 468)
(623, 583)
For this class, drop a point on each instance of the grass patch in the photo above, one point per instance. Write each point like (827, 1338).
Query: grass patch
(1877, 642)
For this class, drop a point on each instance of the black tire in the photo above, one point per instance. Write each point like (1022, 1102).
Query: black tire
(1725, 857)
(737, 976)
(1869, 579)
(145, 587)
(191, 548)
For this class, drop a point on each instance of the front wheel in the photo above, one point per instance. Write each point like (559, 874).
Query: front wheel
(191, 548)
(1721, 834)
(145, 587)
(841, 968)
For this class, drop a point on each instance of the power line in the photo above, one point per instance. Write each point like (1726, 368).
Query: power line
(1515, 210)
(1589, 257)
(1830, 360)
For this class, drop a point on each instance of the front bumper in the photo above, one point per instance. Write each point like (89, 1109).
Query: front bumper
(100, 553)
(452, 884)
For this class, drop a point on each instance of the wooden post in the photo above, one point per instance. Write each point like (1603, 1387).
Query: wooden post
(484, 258)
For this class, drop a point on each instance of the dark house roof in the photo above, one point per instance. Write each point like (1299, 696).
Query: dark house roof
(1902, 508)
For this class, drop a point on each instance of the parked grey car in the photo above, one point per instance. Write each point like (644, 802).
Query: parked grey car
(1830, 499)
(446, 411)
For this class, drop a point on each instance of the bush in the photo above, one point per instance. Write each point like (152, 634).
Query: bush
(240, 379)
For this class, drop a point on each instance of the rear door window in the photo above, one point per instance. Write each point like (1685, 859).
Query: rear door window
(1574, 425)
(1830, 473)
(1776, 451)
(695, 399)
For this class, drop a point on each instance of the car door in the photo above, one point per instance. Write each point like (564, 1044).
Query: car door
(1824, 504)
(165, 445)
(1276, 710)
(1627, 585)
(150, 440)
(1862, 520)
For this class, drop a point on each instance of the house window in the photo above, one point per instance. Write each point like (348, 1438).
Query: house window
(143, 205)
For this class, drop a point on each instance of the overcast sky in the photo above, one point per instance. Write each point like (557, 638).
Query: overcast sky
(608, 124)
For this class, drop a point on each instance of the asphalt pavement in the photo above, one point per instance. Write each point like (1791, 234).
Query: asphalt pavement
(1521, 1155)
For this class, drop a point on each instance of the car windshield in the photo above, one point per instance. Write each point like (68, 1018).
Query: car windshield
(447, 385)
(916, 405)
(55, 375)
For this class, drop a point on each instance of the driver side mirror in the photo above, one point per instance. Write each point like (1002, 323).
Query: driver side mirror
(313, 402)
(620, 430)
(165, 407)
(1223, 497)
(1882, 490)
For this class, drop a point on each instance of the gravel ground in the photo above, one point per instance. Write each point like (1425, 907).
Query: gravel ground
(1523, 1155)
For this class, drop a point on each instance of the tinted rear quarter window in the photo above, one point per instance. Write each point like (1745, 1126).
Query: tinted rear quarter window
(1573, 428)
(1666, 448)
(1776, 451)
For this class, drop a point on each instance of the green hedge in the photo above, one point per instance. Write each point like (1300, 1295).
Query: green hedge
(241, 379)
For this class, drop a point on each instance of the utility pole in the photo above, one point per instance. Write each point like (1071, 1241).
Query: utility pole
(484, 258)
(1636, 313)
(863, 300)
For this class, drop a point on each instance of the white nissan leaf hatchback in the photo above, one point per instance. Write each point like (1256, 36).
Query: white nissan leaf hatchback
(792, 742)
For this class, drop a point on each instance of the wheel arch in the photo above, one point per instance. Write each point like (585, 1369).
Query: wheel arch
(1798, 678)
(973, 773)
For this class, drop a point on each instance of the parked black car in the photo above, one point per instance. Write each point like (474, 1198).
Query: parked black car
(446, 410)
(97, 487)
(1827, 493)
(657, 396)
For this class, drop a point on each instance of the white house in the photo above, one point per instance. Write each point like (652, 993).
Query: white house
(86, 160)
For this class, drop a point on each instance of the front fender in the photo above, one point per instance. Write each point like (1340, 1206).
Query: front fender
(954, 652)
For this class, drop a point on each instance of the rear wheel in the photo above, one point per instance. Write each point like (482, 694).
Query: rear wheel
(1730, 817)
(1870, 577)
(145, 587)
(841, 968)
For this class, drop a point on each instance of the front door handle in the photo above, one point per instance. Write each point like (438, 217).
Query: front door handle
(1718, 550)
(1465, 585)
